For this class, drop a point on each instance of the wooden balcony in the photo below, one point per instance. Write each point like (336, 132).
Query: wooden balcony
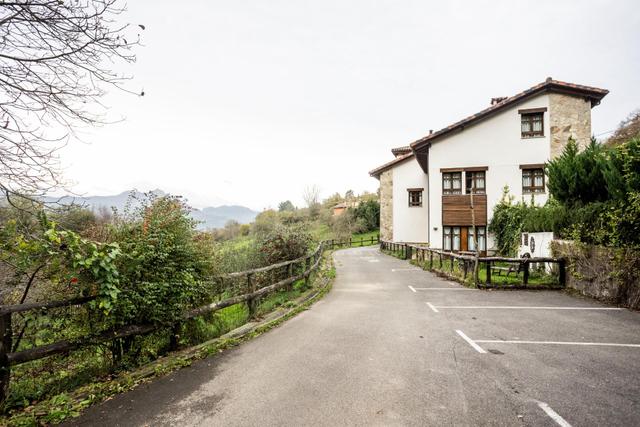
(456, 209)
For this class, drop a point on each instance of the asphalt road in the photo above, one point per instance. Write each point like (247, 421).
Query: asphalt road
(373, 352)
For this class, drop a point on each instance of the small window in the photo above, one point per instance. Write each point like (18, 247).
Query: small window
(451, 238)
(531, 124)
(532, 181)
(415, 197)
(475, 182)
(482, 239)
(452, 183)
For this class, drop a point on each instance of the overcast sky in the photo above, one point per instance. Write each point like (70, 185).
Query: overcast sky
(247, 102)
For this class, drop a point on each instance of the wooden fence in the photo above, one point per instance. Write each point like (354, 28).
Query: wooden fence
(333, 244)
(448, 262)
(246, 287)
(284, 274)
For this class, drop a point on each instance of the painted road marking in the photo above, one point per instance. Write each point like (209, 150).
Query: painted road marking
(435, 310)
(522, 307)
(471, 342)
(553, 415)
(444, 289)
(412, 288)
(603, 344)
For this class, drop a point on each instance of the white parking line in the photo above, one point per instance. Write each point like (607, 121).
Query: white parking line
(435, 310)
(603, 344)
(522, 307)
(412, 288)
(553, 415)
(444, 289)
(472, 343)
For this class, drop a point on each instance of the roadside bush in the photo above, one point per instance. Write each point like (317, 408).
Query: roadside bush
(368, 212)
(284, 243)
(163, 263)
(346, 224)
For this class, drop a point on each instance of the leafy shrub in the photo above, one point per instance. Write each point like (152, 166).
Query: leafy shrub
(163, 264)
(595, 199)
(284, 243)
(346, 224)
(368, 212)
(576, 178)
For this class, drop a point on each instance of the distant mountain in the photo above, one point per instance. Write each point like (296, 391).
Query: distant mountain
(208, 218)
(218, 217)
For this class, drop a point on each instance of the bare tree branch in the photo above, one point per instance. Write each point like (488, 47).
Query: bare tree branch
(55, 65)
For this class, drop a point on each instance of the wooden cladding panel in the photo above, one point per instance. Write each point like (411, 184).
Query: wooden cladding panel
(456, 209)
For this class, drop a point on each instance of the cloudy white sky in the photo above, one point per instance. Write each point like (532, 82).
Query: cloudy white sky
(248, 102)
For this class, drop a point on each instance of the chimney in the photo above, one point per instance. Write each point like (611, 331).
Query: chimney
(430, 131)
(497, 100)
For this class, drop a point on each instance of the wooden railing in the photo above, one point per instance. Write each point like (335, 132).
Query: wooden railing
(248, 286)
(273, 277)
(450, 262)
(333, 244)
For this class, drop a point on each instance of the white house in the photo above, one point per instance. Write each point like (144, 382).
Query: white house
(427, 191)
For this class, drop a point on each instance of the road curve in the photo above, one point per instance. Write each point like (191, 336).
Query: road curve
(373, 353)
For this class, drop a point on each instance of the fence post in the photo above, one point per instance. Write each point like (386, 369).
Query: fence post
(378, 237)
(349, 241)
(175, 337)
(430, 260)
(452, 263)
(361, 241)
(251, 302)
(307, 273)
(488, 266)
(525, 273)
(289, 275)
(5, 348)
(440, 258)
(562, 272)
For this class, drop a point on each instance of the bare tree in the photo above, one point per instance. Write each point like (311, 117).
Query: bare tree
(311, 195)
(55, 65)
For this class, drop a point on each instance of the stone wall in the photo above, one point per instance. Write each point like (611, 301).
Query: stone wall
(569, 116)
(386, 205)
(608, 274)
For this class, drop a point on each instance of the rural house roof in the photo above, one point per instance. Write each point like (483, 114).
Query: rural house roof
(377, 171)
(594, 94)
(399, 151)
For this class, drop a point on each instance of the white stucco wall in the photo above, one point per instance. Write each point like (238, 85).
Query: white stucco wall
(409, 224)
(497, 144)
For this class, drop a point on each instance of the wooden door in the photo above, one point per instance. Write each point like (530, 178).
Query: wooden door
(464, 239)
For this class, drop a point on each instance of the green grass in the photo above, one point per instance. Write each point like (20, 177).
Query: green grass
(536, 278)
(366, 236)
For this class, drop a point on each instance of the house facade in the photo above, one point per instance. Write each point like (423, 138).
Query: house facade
(441, 189)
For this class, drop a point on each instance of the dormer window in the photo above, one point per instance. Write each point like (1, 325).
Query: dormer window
(532, 122)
